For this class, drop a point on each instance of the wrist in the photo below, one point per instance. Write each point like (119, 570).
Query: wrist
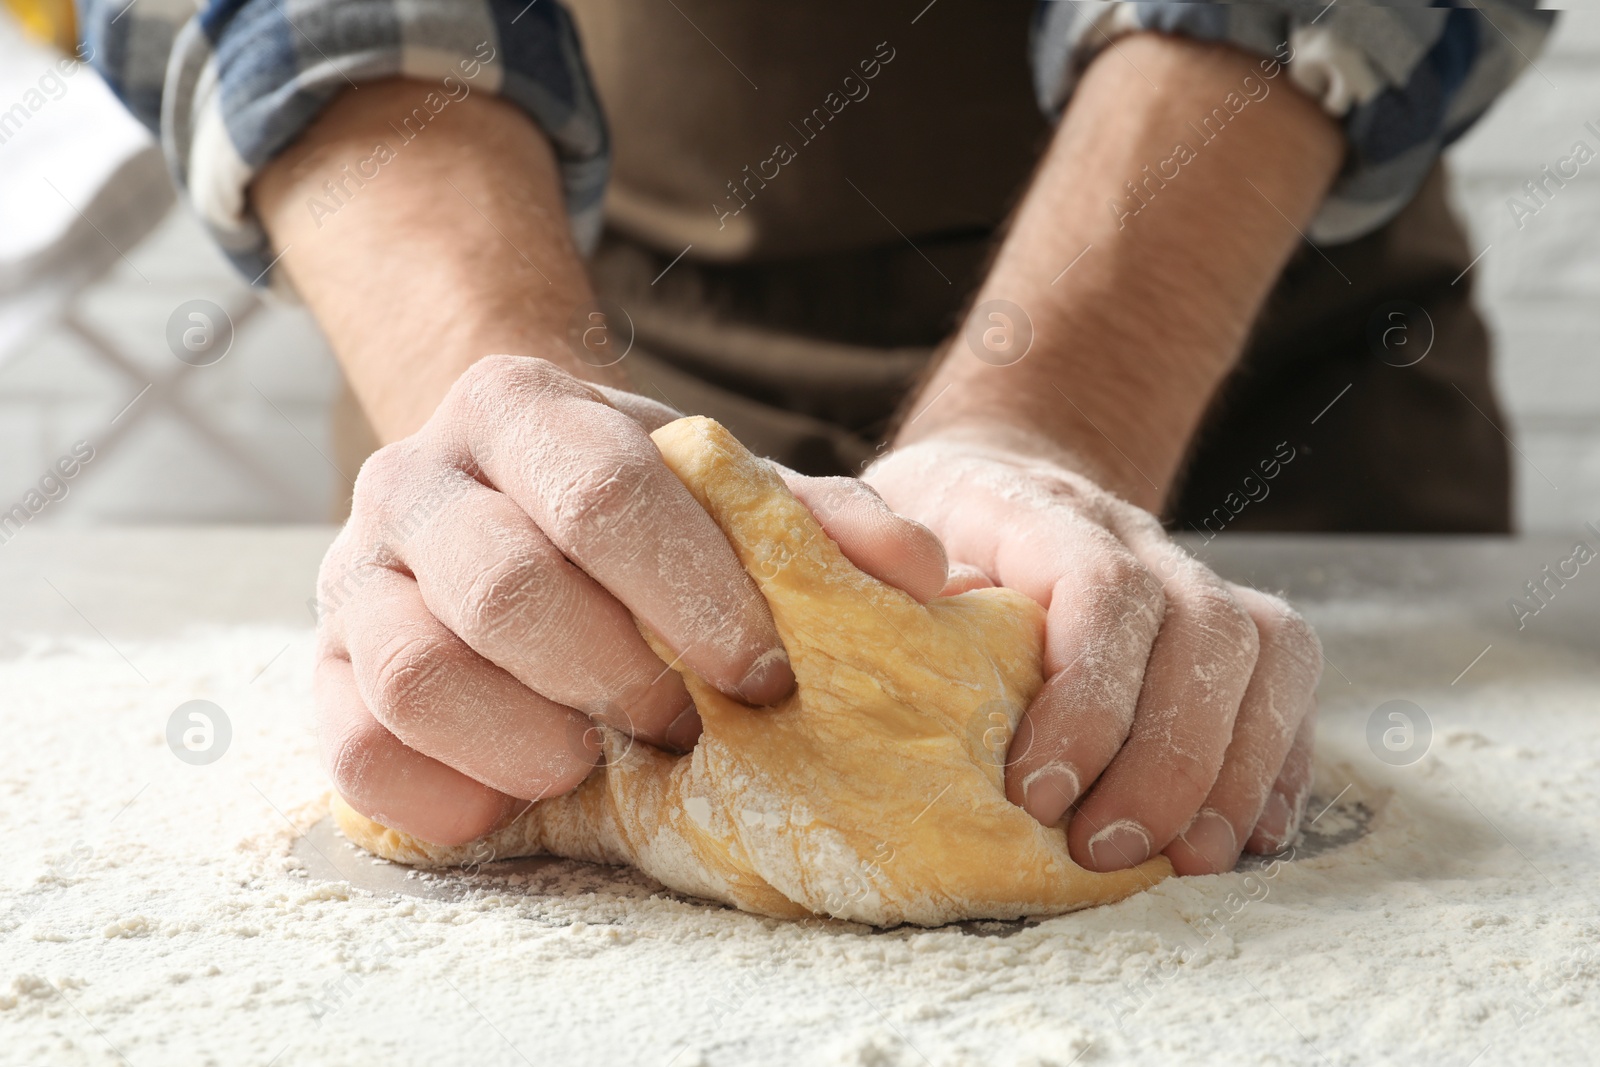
(459, 250)
(1115, 334)
(1074, 400)
(1020, 438)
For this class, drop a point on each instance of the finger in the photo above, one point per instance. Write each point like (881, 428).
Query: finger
(1286, 806)
(384, 780)
(1277, 698)
(1199, 668)
(1012, 531)
(594, 482)
(492, 577)
(439, 697)
(893, 549)
(1104, 613)
(964, 576)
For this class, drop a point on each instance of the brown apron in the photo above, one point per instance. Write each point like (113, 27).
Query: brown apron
(765, 198)
(1376, 447)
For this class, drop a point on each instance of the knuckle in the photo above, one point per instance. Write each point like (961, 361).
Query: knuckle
(1193, 770)
(1139, 524)
(404, 675)
(1170, 562)
(1080, 497)
(1286, 630)
(1141, 600)
(351, 758)
(1226, 623)
(491, 375)
(483, 386)
(334, 566)
(340, 582)
(604, 496)
(495, 382)
(500, 594)
(328, 646)
(385, 474)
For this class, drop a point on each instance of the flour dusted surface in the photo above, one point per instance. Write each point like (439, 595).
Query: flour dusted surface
(179, 928)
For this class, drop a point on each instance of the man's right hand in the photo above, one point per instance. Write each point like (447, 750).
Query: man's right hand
(478, 610)
(477, 617)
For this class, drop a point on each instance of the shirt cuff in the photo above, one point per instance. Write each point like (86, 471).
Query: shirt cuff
(229, 88)
(1403, 82)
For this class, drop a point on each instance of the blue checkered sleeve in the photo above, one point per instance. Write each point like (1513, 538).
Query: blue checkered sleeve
(228, 86)
(1404, 78)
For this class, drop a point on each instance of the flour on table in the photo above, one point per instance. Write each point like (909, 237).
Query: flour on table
(154, 910)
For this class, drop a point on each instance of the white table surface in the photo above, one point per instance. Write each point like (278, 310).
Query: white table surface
(1501, 904)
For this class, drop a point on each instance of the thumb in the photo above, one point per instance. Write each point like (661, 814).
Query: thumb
(892, 548)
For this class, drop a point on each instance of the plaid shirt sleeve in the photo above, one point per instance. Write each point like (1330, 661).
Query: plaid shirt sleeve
(227, 84)
(1403, 78)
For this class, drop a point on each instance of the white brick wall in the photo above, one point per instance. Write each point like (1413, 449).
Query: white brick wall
(1540, 287)
(56, 391)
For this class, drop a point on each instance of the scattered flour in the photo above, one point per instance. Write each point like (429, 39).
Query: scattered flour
(153, 912)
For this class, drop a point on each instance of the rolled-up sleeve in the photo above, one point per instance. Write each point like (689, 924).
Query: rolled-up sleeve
(228, 86)
(1404, 80)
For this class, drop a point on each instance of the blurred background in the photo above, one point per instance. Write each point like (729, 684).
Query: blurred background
(98, 261)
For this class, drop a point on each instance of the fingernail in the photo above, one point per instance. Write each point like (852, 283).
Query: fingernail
(769, 679)
(1048, 791)
(1122, 844)
(685, 730)
(1212, 836)
(1274, 821)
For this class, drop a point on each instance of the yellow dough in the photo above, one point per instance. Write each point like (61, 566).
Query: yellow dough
(874, 793)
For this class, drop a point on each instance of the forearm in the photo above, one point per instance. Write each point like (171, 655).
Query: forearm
(1131, 342)
(430, 255)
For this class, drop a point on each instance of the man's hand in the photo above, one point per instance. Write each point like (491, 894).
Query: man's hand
(1185, 701)
(1177, 712)
(478, 608)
